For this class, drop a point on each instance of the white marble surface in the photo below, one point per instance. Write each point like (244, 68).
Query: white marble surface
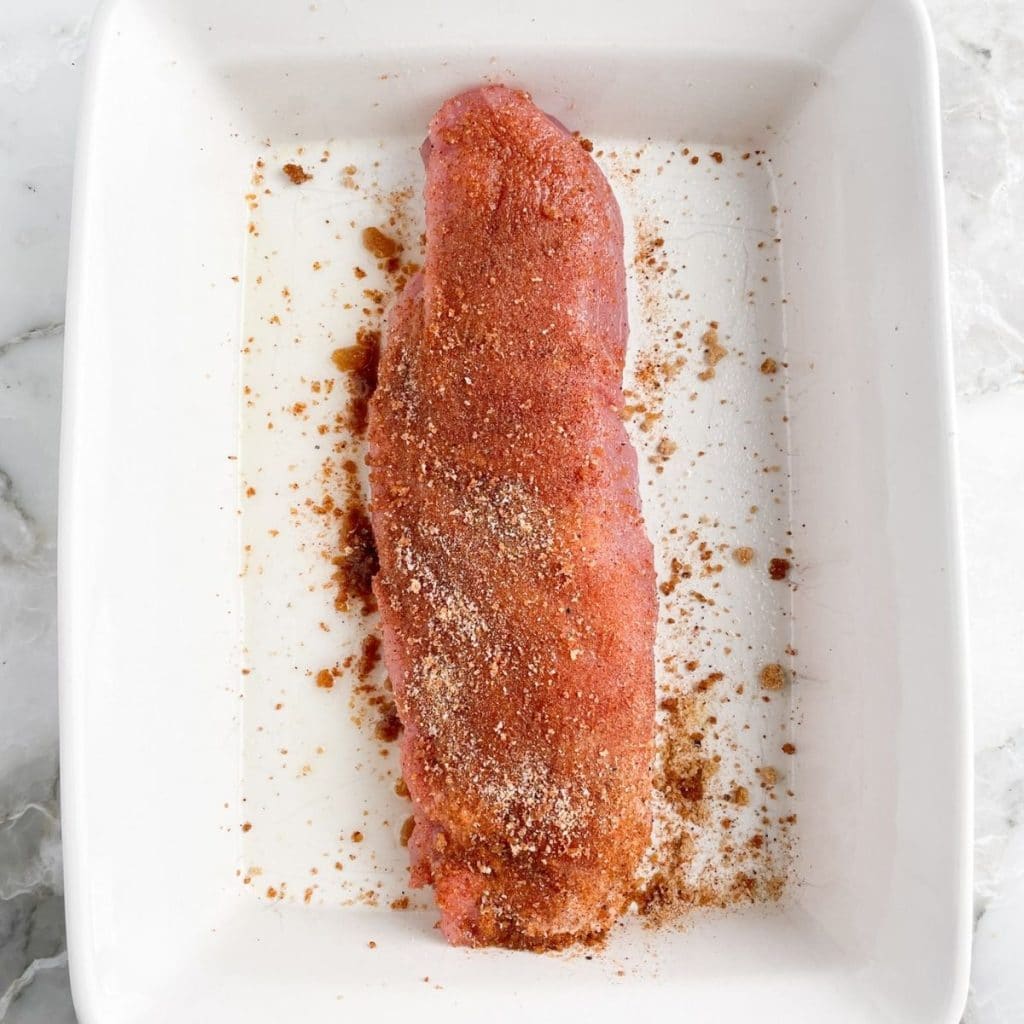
(981, 58)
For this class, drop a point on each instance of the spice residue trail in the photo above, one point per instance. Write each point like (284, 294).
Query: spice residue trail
(706, 408)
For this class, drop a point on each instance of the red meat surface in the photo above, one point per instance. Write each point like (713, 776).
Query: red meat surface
(516, 584)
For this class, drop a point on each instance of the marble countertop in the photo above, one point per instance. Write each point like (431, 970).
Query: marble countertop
(981, 54)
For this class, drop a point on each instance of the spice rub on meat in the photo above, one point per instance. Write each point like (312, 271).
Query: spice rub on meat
(516, 584)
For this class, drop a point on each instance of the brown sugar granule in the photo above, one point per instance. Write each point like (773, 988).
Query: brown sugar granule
(357, 836)
(677, 573)
(357, 563)
(684, 766)
(708, 681)
(401, 789)
(743, 888)
(773, 677)
(360, 363)
(744, 556)
(324, 679)
(691, 787)
(372, 944)
(247, 826)
(307, 895)
(379, 244)
(271, 893)
(788, 748)
(778, 568)
(587, 145)
(402, 903)
(714, 351)
(717, 157)
(667, 447)
(769, 366)
(369, 656)
(648, 245)
(741, 796)
(389, 726)
(768, 775)
(295, 174)
(407, 826)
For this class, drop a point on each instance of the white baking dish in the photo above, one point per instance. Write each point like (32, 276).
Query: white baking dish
(156, 752)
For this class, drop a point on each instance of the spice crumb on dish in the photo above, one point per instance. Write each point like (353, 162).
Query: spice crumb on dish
(296, 174)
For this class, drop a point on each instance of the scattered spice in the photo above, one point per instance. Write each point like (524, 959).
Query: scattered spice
(379, 244)
(357, 563)
(769, 366)
(743, 555)
(389, 726)
(295, 174)
(697, 788)
(369, 656)
(778, 568)
(360, 362)
(665, 450)
(407, 826)
(679, 571)
(714, 351)
(773, 677)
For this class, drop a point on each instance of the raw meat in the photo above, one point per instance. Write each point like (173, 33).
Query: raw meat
(516, 583)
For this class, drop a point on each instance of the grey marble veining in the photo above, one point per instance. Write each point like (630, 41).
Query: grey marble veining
(981, 51)
(31, 904)
(981, 56)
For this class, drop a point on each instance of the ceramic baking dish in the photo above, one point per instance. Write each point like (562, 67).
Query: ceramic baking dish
(161, 754)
